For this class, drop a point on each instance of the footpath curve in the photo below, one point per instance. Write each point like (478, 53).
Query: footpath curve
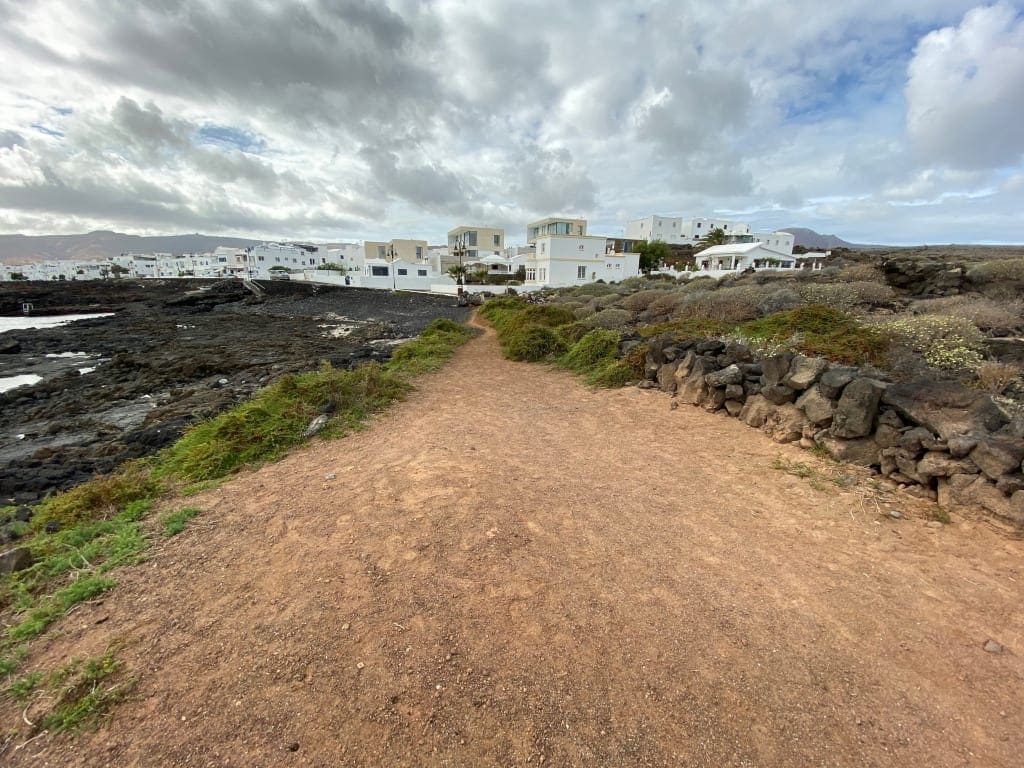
(512, 569)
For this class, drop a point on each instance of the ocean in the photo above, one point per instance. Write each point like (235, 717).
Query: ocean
(22, 322)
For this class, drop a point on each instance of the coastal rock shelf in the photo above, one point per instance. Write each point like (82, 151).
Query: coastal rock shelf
(174, 352)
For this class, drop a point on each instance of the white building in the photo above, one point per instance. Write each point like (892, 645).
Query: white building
(563, 260)
(678, 231)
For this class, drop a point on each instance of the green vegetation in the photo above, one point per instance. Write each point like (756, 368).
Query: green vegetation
(652, 254)
(274, 421)
(176, 522)
(78, 694)
(821, 330)
(102, 524)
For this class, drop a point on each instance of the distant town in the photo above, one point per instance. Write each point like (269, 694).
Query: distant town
(559, 252)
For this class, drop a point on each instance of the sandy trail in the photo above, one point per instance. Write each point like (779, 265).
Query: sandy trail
(511, 569)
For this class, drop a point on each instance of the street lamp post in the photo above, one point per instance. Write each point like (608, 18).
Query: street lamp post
(391, 266)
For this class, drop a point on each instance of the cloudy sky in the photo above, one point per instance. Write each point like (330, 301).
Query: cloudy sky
(894, 122)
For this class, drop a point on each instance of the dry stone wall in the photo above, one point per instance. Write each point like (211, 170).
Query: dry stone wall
(952, 444)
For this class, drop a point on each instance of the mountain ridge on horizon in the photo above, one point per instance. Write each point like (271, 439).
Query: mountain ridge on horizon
(103, 243)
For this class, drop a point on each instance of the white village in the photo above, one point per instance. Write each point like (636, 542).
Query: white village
(558, 252)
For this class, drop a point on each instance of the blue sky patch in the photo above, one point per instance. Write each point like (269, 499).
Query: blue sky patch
(228, 137)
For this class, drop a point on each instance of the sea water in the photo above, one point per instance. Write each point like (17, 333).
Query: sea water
(22, 322)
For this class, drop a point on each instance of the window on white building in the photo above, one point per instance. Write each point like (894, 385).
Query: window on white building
(403, 271)
(542, 274)
(497, 239)
(421, 272)
(531, 274)
(379, 271)
(581, 271)
(543, 246)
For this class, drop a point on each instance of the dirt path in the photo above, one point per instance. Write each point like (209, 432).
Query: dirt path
(510, 569)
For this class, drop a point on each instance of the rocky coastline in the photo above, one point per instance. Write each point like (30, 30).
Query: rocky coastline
(174, 352)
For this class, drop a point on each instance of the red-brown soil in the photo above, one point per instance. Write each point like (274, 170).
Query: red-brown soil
(510, 569)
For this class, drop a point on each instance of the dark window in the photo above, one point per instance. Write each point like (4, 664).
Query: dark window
(472, 237)
(421, 272)
(497, 239)
(379, 271)
(403, 271)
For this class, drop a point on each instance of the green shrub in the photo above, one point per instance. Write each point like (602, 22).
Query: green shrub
(614, 374)
(594, 350)
(532, 343)
(548, 315)
(263, 428)
(99, 498)
(821, 330)
(573, 332)
(176, 522)
(728, 305)
(603, 302)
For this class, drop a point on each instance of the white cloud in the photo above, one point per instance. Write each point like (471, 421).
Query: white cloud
(349, 118)
(965, 93)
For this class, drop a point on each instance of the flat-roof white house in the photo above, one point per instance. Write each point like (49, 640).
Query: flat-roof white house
(397, 248)
(678, 231)
(563, 260)
(555, 225)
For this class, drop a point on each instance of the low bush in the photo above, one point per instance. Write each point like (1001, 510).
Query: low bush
(983, 312)
(728, 305)
(533, 343)
(846, 297)
(583, 313)
(638, 302)
(593, 289)
(824, 331)
(573, 332)
(779, 300)
(614, 374)
(594, 350)
(945, 342)
(997, 377)
(612, 318)
(99, 498)
(996, 271)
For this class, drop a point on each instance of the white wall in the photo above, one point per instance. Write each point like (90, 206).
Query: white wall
(562, 261)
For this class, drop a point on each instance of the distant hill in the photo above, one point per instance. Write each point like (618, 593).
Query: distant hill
(103, 244)
(808, 238)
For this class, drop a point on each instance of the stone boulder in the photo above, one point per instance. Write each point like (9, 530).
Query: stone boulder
(713, 399)
(775, 368)
(887, 436)
(974, 491)
(857, 408)
(818, 408)
(733, 407)
(667, 377)
(685, 365)
(735, 392)
(756, 411)
(833, 380)
(785, 424)
(940, 464)
(862, 451)
(724, 377)
(912, 440)
(804, 371)
(998, 456)
(945, 408)
(779, 394)
(17, 559)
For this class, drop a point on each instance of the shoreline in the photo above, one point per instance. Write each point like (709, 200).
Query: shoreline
(168, 357)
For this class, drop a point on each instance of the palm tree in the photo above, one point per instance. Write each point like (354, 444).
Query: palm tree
(716, 236)
(457, 272)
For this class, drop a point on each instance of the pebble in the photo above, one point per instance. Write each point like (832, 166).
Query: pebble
(933, 524)
(894, 514)
(991, 646)
(360, 665)
(293, 747)
(331, 476)
(345, 625)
